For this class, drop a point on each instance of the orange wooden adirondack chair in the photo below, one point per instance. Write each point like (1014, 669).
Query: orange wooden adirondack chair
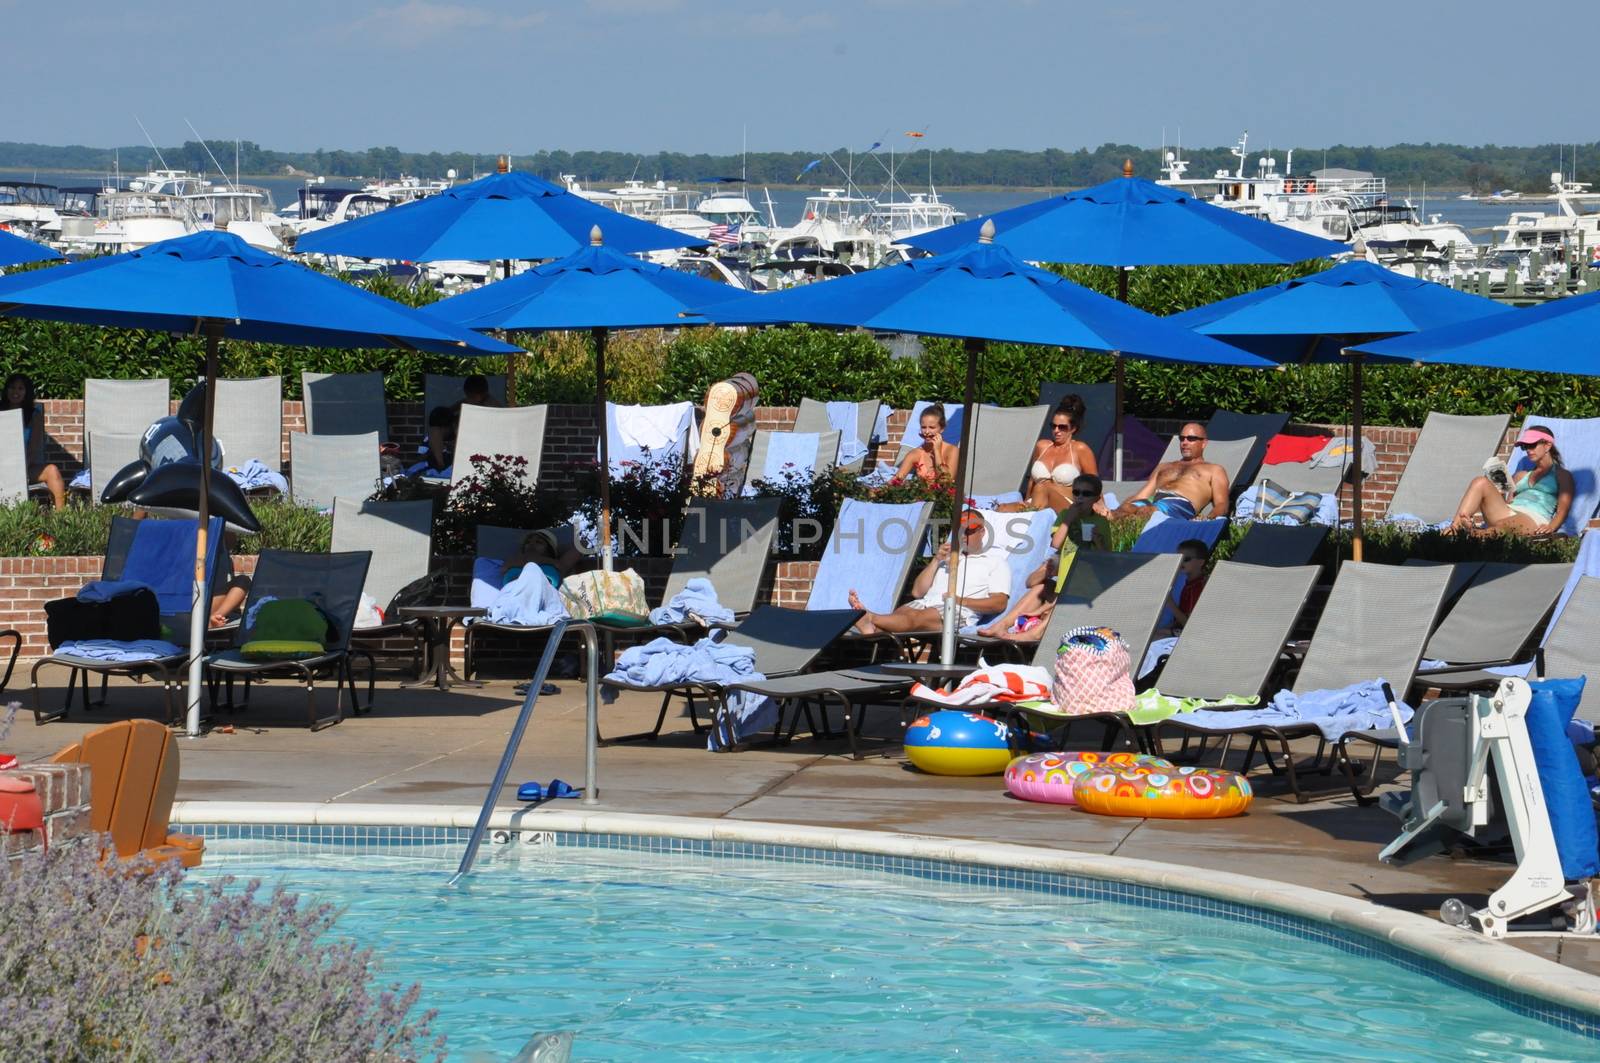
(133, 777)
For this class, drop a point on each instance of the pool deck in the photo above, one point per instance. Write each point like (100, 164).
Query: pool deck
(427, 747)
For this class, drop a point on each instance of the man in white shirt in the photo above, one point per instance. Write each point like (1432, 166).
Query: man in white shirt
(983, 586)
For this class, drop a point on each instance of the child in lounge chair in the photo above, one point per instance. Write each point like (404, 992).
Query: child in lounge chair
(1081, 526)
(1026, 620)
(1195, 555)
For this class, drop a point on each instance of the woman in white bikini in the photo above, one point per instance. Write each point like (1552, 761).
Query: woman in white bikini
(1059, 460)
(934, 457)
(1538, 499)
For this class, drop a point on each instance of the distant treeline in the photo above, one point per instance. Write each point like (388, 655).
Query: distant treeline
(1485, 168)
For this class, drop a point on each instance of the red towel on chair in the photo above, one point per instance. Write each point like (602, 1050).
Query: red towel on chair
(1282, 448)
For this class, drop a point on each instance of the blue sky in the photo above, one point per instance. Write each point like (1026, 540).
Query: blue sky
(692, 75)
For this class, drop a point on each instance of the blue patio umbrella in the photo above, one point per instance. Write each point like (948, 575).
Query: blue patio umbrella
(15, 251)
(215, 285)
(1317, 318)
(1554, 337)
(598, 289)
(508, 215)
(980, 293)
(1128, 222)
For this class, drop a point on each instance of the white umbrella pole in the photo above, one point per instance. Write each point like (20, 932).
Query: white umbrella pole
(200, 607)
(605, 456)
(947, 637)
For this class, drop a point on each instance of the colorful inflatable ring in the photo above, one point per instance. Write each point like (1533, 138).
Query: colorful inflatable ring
(1156, 793)
(951, 742)
(1048, 777)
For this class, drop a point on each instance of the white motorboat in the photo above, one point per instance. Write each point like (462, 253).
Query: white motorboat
(1572, 228)
(918, 213)
(30, 208)
(833, 225)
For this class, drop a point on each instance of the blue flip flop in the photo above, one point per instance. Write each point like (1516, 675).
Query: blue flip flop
(533, 792)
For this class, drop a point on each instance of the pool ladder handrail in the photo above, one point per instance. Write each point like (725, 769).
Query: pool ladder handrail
(591, 786)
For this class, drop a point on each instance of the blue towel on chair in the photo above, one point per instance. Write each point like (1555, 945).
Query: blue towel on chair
(698, 597)
(790, 456)
(662, 662)
(162, 556)
(116, 651)
(865, 554)
(1162, 533)
(1579, 440)
(529, 600)
(103, 590)
(1359, 707)
(842, 416)
(255, 475)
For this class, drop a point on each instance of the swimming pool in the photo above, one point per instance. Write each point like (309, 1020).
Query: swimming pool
(671, 948)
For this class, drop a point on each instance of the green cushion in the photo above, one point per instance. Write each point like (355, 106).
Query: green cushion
(280, 649)
(618, 619)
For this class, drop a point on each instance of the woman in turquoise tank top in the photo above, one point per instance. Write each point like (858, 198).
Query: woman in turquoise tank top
(1535, 503)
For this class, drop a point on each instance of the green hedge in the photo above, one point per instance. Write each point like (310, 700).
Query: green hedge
(792, 363)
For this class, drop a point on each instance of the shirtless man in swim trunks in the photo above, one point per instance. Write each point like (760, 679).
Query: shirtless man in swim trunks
(1182, 488)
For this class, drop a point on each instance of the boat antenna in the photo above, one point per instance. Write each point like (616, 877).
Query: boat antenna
(234, 186)
(151, 141)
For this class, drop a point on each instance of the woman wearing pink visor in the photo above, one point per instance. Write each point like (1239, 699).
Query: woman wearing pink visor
(1535, 503)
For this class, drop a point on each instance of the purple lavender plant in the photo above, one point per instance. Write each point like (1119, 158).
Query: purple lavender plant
(125, 961)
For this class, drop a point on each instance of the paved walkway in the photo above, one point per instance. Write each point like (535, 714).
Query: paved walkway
(424, 747)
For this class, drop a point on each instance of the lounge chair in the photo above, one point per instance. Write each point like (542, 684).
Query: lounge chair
(439, 390)
(1462, 573)
(813, 417)
(1449, 452)
(726, 541)
(120, 408)
(1279, 545)
(871, 550)
(659, 433)
(498, 544)
(13, 458)
(334, 582)
(159, 553)
(344, 404)
(1579, 442)
(786, 642)
(1259, 428)
(249, 420)
(1569, 651)
(1373, 627)
(399, 536)
(325, 467)
(1495, 616)
(1100, 414)
(775, 455)
(110, 453)
(133, 778)
(1002, 449)
(517, 431)
(1233, 643)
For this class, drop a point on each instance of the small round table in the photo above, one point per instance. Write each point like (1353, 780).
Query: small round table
(927, 671)
(437, 622)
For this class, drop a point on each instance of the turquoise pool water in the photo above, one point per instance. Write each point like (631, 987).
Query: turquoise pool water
(692, 956)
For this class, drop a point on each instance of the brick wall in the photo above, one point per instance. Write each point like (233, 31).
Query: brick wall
(63, 790)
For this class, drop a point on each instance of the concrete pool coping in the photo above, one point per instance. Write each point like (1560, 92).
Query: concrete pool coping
(1462, 951)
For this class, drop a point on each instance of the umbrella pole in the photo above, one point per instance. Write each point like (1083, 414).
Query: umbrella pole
(511, 359)
(947, 636)
(1116, 463)
(200, 607)
(1356, 544)
(599, 335)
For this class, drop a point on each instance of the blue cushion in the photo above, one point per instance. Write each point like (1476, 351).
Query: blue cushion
(1572, 817)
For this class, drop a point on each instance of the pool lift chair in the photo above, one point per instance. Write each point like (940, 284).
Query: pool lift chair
(1453, 789)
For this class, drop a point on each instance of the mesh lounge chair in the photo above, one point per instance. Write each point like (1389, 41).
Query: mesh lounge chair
(1100, 415)
(1461, 574)
(1374, 627)
(110, 453)
(121, 407)
(786, 642)
(334, 582)
(345, 404)
(499, 544)
(325, 467)
(13, 458)
(517, 431)
(1259, 428)
(249, 419)
(1002, 447)
(123, 558)
(870, 550)
(813, 417)
(1450, 451)
(1495, 616)
(824, 455)
(1279, 545)
(133, 778)
(399, 536)
(440, 390)
(1569, 651)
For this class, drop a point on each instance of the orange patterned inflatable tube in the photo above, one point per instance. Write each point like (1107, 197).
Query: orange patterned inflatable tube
(1163, 793)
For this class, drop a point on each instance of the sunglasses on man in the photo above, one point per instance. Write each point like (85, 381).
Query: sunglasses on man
(1193, 439)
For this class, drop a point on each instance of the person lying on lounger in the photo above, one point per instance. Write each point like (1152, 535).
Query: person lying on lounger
(983, 586)
(1535, 503)
(1184, 487)
(1026, 620)
(1058, 461)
